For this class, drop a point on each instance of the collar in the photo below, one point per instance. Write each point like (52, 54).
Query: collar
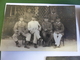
(58, 22)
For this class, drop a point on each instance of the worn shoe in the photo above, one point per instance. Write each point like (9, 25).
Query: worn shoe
(35, 45)
(25, 46)
(57, 46)
(44, 45)
(17, 44)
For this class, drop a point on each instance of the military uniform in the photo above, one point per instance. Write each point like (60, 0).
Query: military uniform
(47, 32)
(58, 32)
(20, 26)
(20, 29)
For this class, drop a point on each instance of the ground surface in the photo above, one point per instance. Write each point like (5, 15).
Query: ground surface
(9, 45)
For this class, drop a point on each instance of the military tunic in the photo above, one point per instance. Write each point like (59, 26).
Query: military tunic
(58, 32)
(46, 26)
(47, 32)
(59, 28)
(20, 26)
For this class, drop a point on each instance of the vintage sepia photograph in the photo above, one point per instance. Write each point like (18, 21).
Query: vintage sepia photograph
(39, 27)
(63, 58)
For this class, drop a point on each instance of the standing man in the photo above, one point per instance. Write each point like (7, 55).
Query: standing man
(58, 32)
(28, 15)
(20, 29)
(34, 28)
(46, 31)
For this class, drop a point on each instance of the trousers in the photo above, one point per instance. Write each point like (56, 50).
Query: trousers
(15, 37)
(57, 38)
(27, 36)
(36, 36)
(47, 36)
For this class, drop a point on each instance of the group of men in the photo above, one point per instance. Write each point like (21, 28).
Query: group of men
(46, 31)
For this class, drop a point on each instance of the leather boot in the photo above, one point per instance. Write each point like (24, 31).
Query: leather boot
(17, 44)
(35, 45)
(26, 45)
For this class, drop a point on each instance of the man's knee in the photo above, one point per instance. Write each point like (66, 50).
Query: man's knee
(60, 35)
(35, 42)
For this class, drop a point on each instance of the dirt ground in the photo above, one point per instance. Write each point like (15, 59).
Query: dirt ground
(9, 45)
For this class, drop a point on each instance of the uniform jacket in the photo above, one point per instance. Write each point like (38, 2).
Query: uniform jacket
(58, 27)
(20, 26)
(47, 25)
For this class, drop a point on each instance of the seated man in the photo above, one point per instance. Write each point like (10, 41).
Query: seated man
(58, 32)
(19, 29)
(34, 28)
(46, 31)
